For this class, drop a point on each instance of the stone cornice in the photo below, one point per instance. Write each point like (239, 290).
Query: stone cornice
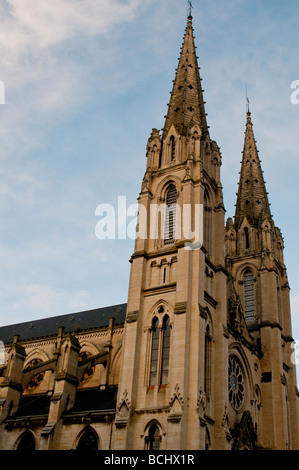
(218, 268)
(210, 299)
(67, 377)
(26, 422)
(161, 289)
(265, 324)
(105, 416)
(11, 384)
(132, 316)
(180, 307)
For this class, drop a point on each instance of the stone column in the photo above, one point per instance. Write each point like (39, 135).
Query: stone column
(64, 394)
(10, 388)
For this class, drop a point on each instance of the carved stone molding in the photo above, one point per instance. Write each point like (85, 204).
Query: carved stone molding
(203, 312)
(56, 396)
(176, 406)
(201, 403)
(132, 316)
(225, 419)
(174, 418)
(123, 411)
(180, 307)
(210, 299)
(48, 429)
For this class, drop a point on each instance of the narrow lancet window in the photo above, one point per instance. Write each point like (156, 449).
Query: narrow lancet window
(165, 351)
(154, 352)
(247, 244)
(207, 363)
(154, 438)
(172, 148)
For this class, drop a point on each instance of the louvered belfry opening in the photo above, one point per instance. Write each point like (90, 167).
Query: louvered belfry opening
(172, 143)
(249, 296)
(170, 215)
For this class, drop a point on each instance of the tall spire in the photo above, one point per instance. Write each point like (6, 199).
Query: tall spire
(252, 198)
(186, 101)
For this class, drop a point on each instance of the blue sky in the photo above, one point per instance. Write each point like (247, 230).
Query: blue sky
(85, 83)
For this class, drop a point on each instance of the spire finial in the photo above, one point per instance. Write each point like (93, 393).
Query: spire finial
(247, 102)
(189, 9)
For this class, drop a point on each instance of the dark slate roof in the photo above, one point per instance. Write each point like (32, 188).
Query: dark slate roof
(94, 399)
(90, 319)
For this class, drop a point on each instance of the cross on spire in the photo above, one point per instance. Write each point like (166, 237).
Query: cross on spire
(190, 6)
(247, 102)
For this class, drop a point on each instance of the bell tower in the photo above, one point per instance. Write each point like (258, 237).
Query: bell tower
(254, 256)
(176, 308)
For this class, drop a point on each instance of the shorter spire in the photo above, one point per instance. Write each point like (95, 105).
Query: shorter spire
(252, 198)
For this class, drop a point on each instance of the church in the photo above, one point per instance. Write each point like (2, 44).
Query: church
(199, 357)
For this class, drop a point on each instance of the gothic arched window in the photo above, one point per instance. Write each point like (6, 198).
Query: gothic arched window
(153, 438)
(27, 441)
(170, 216)
(207, 362)
(160, 351)
(165, 350)
(88, 441)
(154, 352)
(249, 300)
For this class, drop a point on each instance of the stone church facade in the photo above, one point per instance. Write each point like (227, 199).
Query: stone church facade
(200, 355)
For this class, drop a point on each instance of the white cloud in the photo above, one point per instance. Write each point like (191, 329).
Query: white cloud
(44, 80)
(34, 25)
(40, 301)
(40, 76)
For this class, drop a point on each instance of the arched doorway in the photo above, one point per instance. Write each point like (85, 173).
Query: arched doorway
(88, 440)
(26, 441)
(153, 437)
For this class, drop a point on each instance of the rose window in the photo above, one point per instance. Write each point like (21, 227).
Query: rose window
(88, 370)
(38, 378)
(236, 385)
